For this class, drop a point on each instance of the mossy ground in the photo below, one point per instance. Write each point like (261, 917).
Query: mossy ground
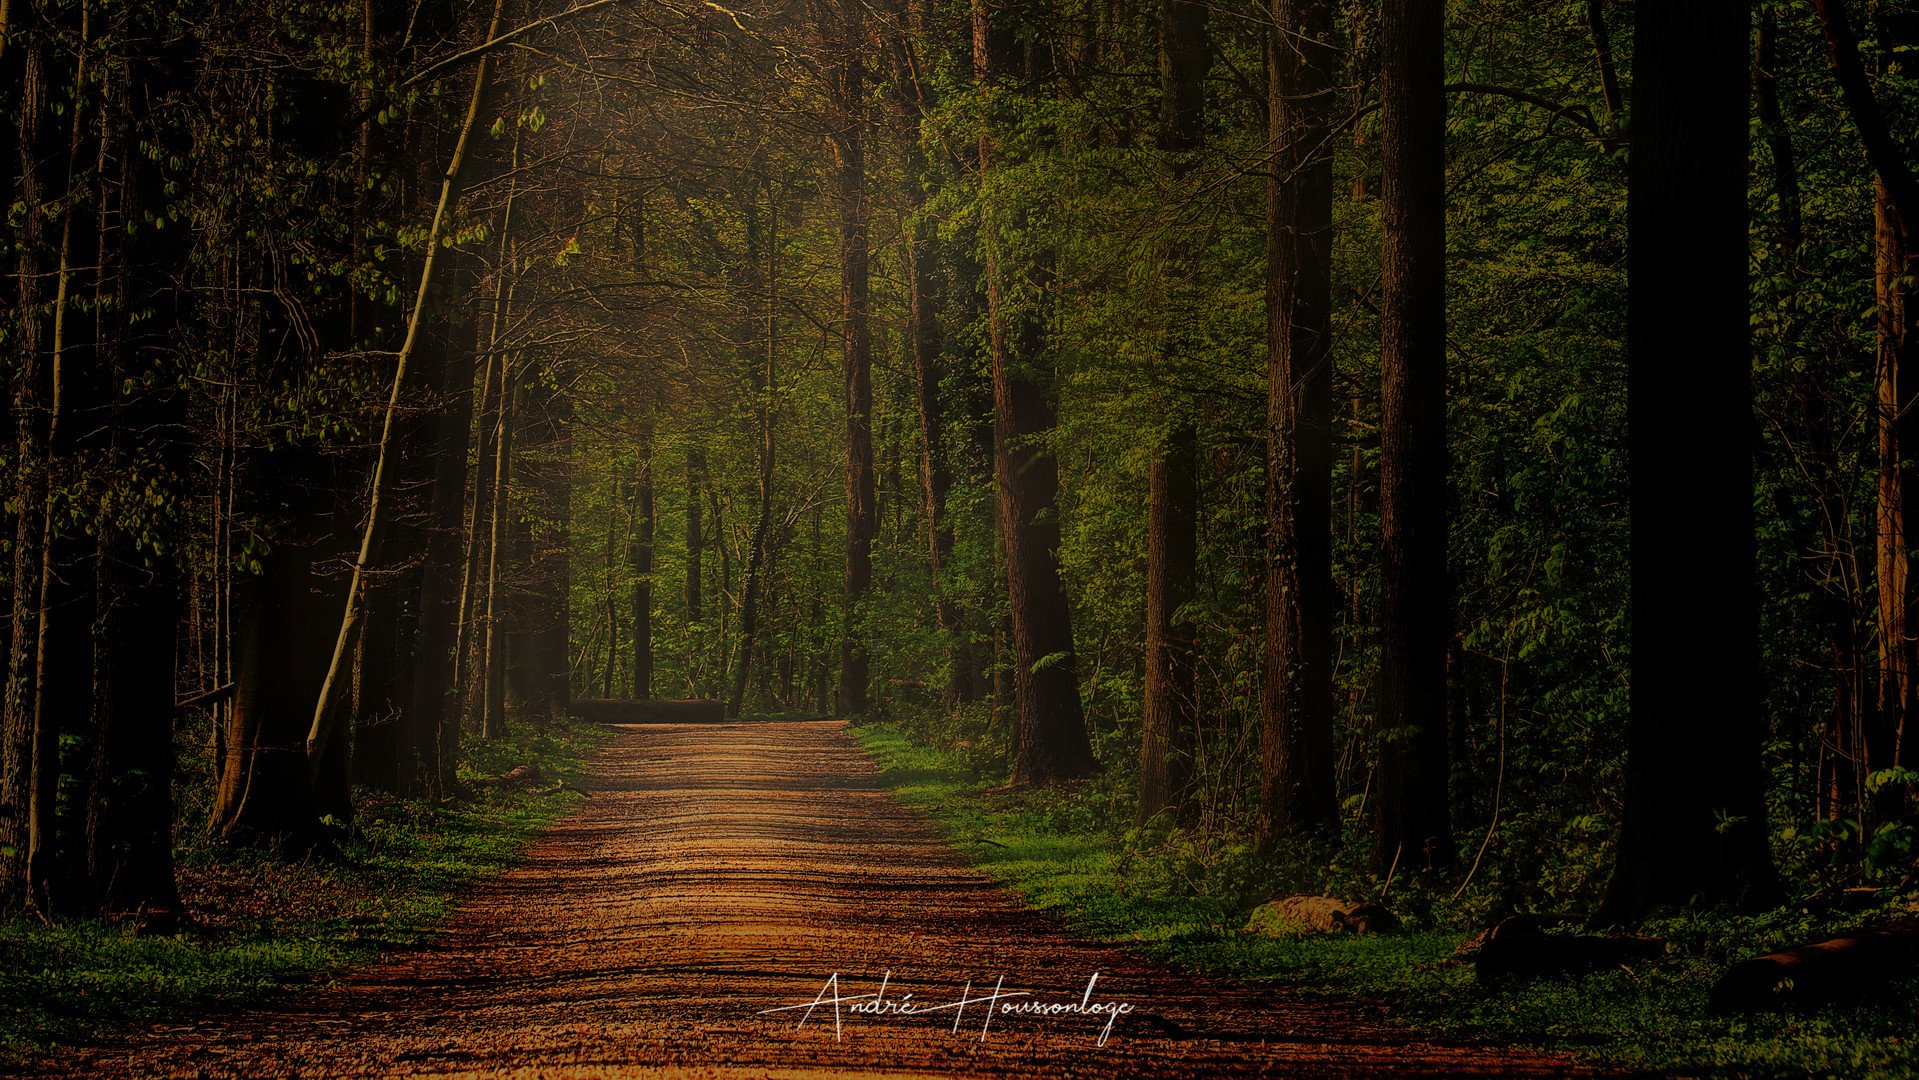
(260, 926)
(1073, 854)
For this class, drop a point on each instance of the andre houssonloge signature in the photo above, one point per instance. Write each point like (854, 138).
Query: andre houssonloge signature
(999, 1001)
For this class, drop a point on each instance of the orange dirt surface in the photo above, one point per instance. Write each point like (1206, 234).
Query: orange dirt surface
(720, 872)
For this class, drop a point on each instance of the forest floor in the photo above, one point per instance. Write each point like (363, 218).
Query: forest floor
(720, 872)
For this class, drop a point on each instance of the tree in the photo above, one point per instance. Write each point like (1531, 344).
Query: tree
(1411, 816)
(640, 554)
(1052, 729)
(1694, 828)
(1296, 736)
(842, 26)
(1168, 713)
(1896, 378)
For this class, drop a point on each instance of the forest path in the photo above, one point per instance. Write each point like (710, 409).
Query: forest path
(720, 871)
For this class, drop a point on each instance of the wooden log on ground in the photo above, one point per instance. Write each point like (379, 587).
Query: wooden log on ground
(1518, 947)
(1319, 914)
(626, 711)
(518, 774)
(1842, 967)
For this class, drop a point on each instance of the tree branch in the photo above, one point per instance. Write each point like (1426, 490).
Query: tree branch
(1881, 149)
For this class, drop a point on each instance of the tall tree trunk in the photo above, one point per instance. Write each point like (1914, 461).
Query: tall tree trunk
(28, 488)
(1298, 791)
(327, 709)
(1413, 826)
(471, 678)
(1822, 536)
(537, 680)
(1694, 828)
(756, 557)
(494, 640)
(434, 714)
(1602, 52)
(695, 536)
(137, 612)
(640, 559)
(1897, 382)
(845, 30)
(914, 97)
(1895, 208)
(75, 384)
(1169, 711)
(1053, 746)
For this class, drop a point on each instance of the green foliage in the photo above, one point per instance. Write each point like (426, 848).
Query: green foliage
(1169, 896)
(260, 928)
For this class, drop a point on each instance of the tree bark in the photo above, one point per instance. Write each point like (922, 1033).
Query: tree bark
(756, 557)
(1412, 822)
(925, 297)
(640, 559)
(494, 647)
(434, 712)
(1883, 743)
(28, 486)
(1168, 713)
(847, 78)
(1896, 380)
(1690, 834)
(1297, 786)
(1602, 52)
(327, 709)
(1053, 746)
(137, 593)
(537, 681)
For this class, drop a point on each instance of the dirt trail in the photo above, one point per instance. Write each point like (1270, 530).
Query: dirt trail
(720, 871)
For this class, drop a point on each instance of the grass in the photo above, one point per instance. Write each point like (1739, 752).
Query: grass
(1068, 854)
(262, 927)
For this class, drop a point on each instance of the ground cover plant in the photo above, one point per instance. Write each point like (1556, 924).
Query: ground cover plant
(1073, 853)
(259, 925)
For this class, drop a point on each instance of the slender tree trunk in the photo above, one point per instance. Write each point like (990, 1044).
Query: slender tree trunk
(28, 488)
(1897, 380)
(695, 537)
(1884, 741)
(609, 608)
(1297, 789)
(769, 388)
(1824, 535)
(1880, 739)
(63, 645)
(327, 709)
(1602, 53)
(471, 676)
(914, 97)
(846, 33)
(436, 694)
(539, 683)
(640, 558)
(1172, 516)
(1413, 827)
(1690, 834)
(493, 659)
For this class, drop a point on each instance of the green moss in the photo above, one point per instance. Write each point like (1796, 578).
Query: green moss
(262, 926)
(1184, 904)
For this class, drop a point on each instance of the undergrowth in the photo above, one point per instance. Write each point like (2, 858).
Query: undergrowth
(259, 926)
(1180, 898)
